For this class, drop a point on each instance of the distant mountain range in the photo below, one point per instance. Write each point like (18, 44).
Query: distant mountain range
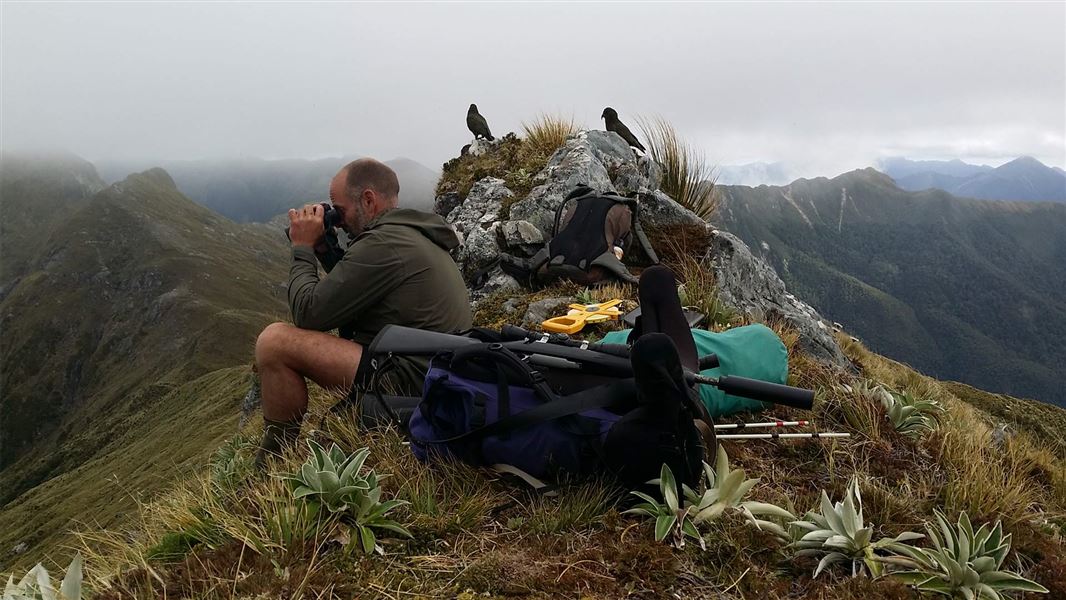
(962, 289)
(256, 190)
(1024, 178)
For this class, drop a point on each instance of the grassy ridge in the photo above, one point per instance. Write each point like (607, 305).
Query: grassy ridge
(138, 293)
(475, 534)
(169, 438)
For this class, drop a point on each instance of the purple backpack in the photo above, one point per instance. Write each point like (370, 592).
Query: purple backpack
(484, 405)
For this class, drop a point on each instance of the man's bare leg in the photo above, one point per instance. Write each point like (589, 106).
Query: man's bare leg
(284, 356)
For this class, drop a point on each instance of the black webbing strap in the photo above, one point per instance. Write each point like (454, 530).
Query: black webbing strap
(638, 232)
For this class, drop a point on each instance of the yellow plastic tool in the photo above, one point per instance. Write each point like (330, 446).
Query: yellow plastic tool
(580, 314)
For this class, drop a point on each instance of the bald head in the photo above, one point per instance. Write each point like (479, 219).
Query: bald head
(367, 173)
(362, 190)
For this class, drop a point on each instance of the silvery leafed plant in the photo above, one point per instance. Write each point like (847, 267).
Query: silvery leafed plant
(332, 480)
(962, 562)
(37, 584)
(838, 533)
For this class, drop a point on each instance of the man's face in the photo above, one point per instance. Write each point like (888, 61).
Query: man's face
(352, 210)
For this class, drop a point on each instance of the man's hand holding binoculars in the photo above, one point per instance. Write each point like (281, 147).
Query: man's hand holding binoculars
(306, 225)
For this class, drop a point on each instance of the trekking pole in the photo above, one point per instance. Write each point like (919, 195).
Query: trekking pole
(775, 435)
(759, 425)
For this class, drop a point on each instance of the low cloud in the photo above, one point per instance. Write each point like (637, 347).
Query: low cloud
(824, 87)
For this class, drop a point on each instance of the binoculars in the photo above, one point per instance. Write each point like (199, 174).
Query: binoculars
(330, 219)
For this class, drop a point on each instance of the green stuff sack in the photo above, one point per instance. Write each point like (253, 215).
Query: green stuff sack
(752, 351)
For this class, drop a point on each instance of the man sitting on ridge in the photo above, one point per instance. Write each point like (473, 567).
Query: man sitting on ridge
(396, 270)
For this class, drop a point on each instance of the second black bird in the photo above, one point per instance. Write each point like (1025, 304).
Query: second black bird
(477, 124)
(613, 124)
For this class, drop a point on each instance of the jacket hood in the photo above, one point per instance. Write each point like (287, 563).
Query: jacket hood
(429, 225)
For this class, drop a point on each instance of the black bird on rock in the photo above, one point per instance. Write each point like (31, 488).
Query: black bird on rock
(477, 124)
(613, 124)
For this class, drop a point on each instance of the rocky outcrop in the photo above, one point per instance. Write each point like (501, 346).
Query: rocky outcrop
(751, 285)
(598, 159)
(602, 160)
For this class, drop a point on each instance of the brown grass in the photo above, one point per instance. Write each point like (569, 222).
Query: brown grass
(547, 134)
(687, 178)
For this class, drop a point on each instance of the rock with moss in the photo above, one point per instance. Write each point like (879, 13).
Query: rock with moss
(570, 167)
(521, 237)
(495, 281)
(542, 310)
(481, 146)
(442, 204)
(637, 177)
(603, 161)
(477, 220)
(751, 285)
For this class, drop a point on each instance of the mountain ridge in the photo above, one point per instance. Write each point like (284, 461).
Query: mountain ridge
(999, 264)
(163, 273)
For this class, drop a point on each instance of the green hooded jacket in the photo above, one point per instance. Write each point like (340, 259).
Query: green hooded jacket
(397, 271)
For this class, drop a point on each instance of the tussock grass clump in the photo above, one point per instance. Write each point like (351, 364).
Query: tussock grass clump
(1045, 423)
(675, 244)
(856, 407)
(446, 497)
(987, 479)
(971, 467)
(575, 508)
(547, 134)
(686, 176)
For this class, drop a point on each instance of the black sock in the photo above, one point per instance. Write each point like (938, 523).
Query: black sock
(277, 436)
(661, 312)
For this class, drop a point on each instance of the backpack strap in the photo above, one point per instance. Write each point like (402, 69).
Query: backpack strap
(524, 269)
(638, 232)
(609, 261)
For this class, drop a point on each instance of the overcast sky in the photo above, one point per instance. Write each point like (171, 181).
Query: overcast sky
(825, 87)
